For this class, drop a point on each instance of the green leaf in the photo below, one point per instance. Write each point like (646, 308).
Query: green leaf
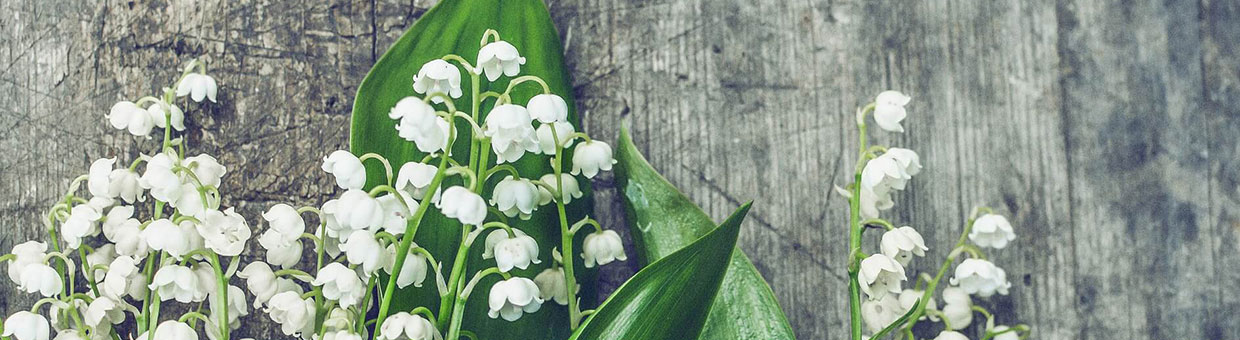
(671, 298)
(663, 221)
(456, 27)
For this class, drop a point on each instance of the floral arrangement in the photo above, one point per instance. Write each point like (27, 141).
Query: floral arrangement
(881, 171)
(142, 239)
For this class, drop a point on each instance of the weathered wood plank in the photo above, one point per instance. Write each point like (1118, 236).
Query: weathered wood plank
(1220, 31)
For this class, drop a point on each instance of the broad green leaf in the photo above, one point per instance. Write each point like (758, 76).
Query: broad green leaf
(671, 298)
(456, 27)
(663, 221)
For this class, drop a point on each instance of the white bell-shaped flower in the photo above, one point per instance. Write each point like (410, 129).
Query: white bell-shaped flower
(26, 253)
(438, 76)
(590, 157)
(881, 312)
(515, 197)
(1002, 333)
(397, 209)
(341, 284)
(339, 319)
(951, 335)
(123, 183)
(981, 278)
(513, 297)
(98, 180)
(207, 169)
(41, 278)
(117, 217)
(128, 116)
(955, 295)
(129, 239)
(163, 114)
(260, 281)
(463, 205)
(159, 178)
(889, 110)
(602, 247)
(499, 57)
(902, 244)
(25, 325)
(104, 312)
(568, 184)
(197, 86)
(518, 250)
(549, 108)
(280, 252)
(546, 140)
(284, 220)
(103, 254)
(348, 169)
(236, 305)
(511, 132)
(121, 277)
(363, 249)
(414, 270)
(958, 315)
(83, 221)
(193, 201)
(883, 174)
(174, 330)
(343, 334)
(909, 298)
(175, 282)
(880, 275)
(207, 281)
(418, 123)
(992, 230)
(162, 235)
(355, 210)
(551, 285)
(225, 233)
(405, 326)
(294, 314)
(414, 178)
(907, 159)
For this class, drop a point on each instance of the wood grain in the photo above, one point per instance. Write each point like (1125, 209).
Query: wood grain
(1107, 130)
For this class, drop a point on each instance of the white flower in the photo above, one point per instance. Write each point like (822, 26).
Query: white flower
(123, 279)
(902, 243)
(412, 272)
(396, 211)
(284, 220)
(889, 110)
(463, 205)
(82, 222)
(908, 160)
(164, 184)
(419, 124)
(225, 233)
(126, 115)
(546, 140)
(517, 251)
(551, 285)
(414, 178)
(260, 280)
(127, 235)
(294, 314)
(162, 235)
(878, 313)
(602, 247)
(25, 325)
(438, 76)
(176, 282)
(280, 252)
(511, 133)
(959, 315)
(880, 275)
(341, 335)
(515, 197)
(339, 319)
(348, 169)
(41, 278)
(162, 115)
(549, 108)
(993, 231)
(951, 335)
(405, 326)
(236, 305)
(355, 210)
(1001, 329)
(123, 183)
(363, 249)
(568, 184)
(591, 156)
(955, 295)
(103, 313)
(26, 253)
(208, 283)
(207, 169)
(102, 255)
(981, 277)
(909, 298)
(98, 179)
(341, 284)
(879, 178)
(197, 86)
(497, 57)
(193, 202)
(512, 297)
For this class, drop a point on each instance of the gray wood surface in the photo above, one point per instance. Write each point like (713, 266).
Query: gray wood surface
(1107, 130)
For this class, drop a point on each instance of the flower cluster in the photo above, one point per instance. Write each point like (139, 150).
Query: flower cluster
(141, 234)
(888, 306)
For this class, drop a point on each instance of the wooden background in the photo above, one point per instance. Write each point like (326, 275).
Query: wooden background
(1107, 130)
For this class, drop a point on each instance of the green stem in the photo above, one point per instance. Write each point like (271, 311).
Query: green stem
(223, 296)
(933, 283)
(854, 241)
(458, 308)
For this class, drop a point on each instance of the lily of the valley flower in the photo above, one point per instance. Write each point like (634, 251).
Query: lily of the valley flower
(98, 180)
(294, 314)
(341, 284)
(363, 249)
(164, 184)
(355, 210)
(549, 108)
(515, 197)
(123, 183)
(902, 244)
(197, 86)
(123, 278)
(889, 110)
(396, 211)
(206, 169)
(959, 315)
(981, 278)
(128, 116)
(418, 123)
(25, 325)
(992, 230)
(463, 205)
(236, 305)
(511, 134)
(83, 221)
(880, 275)
(590, 157)
(546, 140)
(102, 255)
(412, 272)
(26, 253)
(343, 334)
(348, 169)
(104, 312)
(909, 298)
(176, 282)
(907, 159)
(162, 235)
(881, 312)
(405, 326)
(513, 297)
(41, 278)
(162, 114)
(438, 76)
(602, 247)
(127, 234)
(497, 57)
(225, 233)
(414, 178)
(951, 335)
(282, 238)
(260, 280)
(1003, 334)
(174, 330)
(568, 185)
(509, 252)
(551, 285)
